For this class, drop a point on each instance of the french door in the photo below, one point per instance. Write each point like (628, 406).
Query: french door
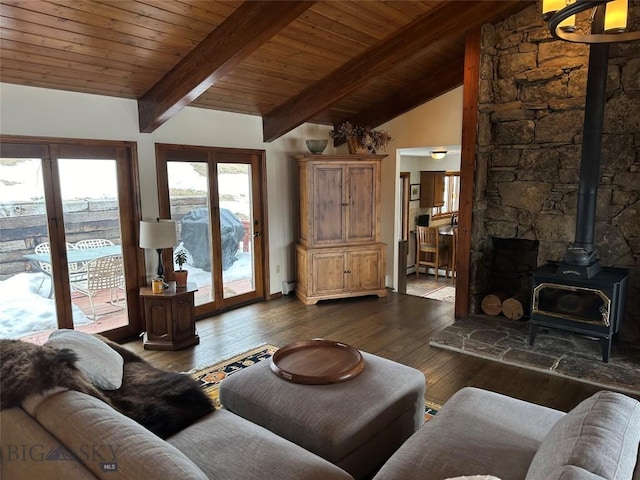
(216, 196)
(68, 212)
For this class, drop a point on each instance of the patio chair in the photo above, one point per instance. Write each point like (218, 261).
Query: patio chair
(89, 244)
(76, 270)
(103, 273)
(93, 243)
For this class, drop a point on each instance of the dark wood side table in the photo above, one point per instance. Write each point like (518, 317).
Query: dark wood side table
(169, 317)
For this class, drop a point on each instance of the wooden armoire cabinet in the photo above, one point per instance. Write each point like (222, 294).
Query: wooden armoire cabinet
(339, 253)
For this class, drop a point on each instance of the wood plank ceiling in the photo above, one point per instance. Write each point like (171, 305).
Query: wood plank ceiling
(289, 62)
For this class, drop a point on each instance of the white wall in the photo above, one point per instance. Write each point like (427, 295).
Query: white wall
(438, 122)
(54, 113)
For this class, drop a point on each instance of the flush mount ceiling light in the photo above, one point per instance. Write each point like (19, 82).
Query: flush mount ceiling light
(438, 154)
(609, 20)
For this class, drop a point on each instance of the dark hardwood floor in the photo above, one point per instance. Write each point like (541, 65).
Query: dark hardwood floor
(397, 327)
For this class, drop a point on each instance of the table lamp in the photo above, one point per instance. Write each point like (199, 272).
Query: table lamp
(158, 234)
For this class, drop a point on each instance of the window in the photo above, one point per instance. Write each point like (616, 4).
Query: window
(451, 196)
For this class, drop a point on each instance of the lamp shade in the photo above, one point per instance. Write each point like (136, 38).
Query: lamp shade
(615, 16)
(549, 7)
(158, 233)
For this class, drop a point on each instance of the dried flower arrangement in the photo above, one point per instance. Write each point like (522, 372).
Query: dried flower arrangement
(361, 139)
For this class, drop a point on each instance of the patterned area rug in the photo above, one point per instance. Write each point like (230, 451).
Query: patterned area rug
(556, 352)
(209, 378)
(445, 294)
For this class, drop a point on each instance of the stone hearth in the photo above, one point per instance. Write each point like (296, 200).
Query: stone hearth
(555, 352)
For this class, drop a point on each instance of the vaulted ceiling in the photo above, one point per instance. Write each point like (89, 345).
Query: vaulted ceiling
(289, 62)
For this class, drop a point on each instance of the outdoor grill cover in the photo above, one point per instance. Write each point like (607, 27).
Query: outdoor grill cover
(195, 237)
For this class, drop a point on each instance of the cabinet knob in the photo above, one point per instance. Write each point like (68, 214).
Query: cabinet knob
(347, 271)
(345, 204)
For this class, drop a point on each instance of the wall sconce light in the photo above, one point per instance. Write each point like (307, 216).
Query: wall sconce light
(609, 20)
(158, 234)
(438, 154)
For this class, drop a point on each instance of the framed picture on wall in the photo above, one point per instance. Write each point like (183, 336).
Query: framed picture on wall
(415, 191)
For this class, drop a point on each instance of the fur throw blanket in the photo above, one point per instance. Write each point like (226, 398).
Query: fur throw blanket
(164, 402)
(27, 369)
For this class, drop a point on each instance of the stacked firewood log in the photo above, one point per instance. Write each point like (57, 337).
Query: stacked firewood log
(513, 307)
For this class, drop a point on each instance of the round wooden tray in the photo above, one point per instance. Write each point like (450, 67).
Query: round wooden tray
(317, 362)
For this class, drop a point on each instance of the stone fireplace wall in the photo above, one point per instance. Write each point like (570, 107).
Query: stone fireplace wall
(532, 96)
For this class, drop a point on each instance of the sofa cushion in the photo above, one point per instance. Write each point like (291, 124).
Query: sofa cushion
(476, 431)
(599, 436)
(30, 452)
(101, 364)
(228, 447)
(571, 472)
(109, 444)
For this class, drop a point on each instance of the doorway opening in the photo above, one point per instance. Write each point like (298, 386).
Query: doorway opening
(425, 201)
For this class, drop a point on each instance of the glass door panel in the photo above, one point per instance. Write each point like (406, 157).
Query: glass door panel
(58, 202)
(189, 203)
(236, 228)
(214, 197)
(89, 193)
(26, 289)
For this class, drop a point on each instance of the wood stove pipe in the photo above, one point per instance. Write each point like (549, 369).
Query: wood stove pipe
(583, 253)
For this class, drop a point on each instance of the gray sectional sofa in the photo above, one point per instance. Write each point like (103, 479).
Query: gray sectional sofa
(69, 435)
(482, 432)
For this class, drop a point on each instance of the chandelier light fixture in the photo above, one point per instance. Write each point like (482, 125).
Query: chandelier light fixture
(438, 154)
(608, 20)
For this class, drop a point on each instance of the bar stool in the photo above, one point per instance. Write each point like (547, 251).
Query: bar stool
(454, 249)
(436, 253)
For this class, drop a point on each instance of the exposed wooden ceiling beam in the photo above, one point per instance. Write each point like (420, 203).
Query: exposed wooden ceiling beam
(452, 18)
(434, 84)
(241, 34)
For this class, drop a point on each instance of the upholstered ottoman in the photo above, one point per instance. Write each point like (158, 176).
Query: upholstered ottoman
(356, 424)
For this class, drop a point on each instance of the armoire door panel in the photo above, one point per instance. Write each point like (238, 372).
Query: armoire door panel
(328, 206)
(361, 214)
(328, 272)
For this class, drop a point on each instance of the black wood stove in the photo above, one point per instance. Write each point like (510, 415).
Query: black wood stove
(577, 294)
(590, 306)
